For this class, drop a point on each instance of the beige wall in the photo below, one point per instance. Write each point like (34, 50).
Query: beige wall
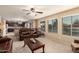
(59, 37)
(35, 24)
(2, 25)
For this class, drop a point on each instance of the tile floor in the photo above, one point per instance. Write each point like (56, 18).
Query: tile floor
(50, 47)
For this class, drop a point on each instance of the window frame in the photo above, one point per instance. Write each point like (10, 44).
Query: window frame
(71, 25)
(70, 28)
(52, 23)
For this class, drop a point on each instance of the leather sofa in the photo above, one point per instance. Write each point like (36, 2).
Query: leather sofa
(29, 33)
(5, 45)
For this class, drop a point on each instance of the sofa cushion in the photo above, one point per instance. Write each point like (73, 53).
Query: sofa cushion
(4, 39)
(25, 33)
(5, 44)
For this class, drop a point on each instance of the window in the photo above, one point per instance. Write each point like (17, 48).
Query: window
(52, 25)
(42, 23)
(75, 25)
(67, 25)
(71, 25)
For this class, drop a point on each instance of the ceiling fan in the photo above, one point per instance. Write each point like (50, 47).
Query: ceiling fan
(32, 10)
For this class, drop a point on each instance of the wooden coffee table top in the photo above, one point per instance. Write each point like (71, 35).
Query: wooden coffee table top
(36, 45)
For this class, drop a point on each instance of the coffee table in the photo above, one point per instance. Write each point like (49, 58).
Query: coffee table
(34, 46)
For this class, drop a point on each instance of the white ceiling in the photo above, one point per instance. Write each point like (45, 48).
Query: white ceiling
(15, 12)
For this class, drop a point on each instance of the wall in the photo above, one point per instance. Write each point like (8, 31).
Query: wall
(35, 23)
(59, 37)
(2, 25)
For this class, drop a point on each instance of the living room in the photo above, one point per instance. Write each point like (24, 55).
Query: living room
(50, 28)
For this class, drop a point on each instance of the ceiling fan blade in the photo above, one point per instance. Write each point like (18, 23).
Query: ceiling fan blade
(35, 14)
(39, 12)
(25, 10)
(27, 13)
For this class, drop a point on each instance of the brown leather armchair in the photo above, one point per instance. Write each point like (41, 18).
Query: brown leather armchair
(75, 46)
(5, 45)
(23, 32)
